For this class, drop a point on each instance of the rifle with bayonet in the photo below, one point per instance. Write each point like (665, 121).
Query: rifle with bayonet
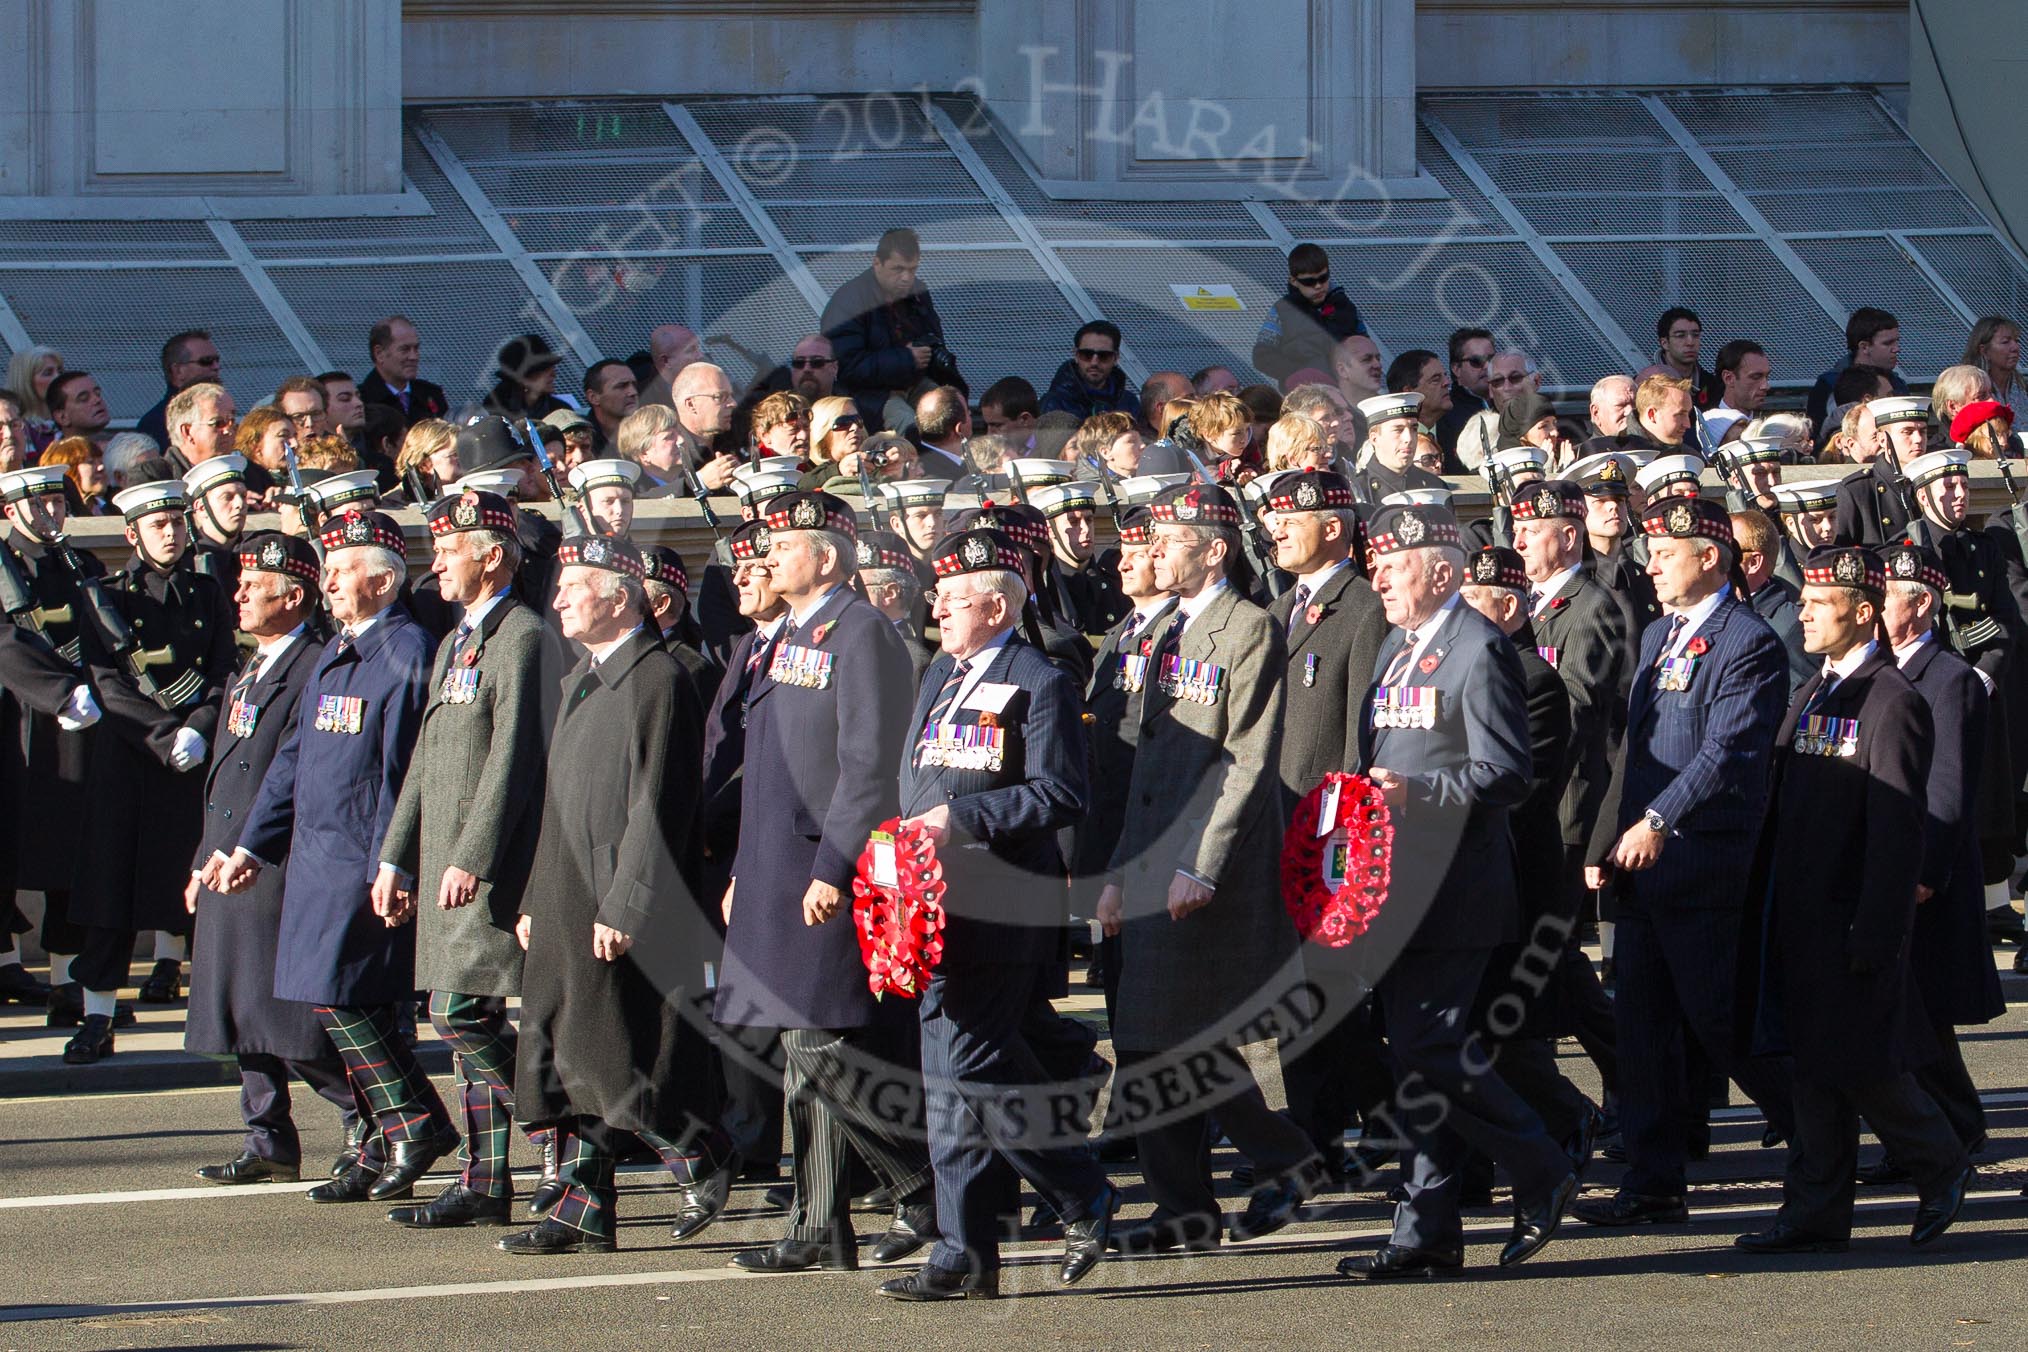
(118, 637)
(568, 504)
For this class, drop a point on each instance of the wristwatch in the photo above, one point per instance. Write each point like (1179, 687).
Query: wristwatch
(1655, 822)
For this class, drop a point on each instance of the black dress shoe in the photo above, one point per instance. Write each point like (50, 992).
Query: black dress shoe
(408, 1161)
(1167, 1236)
(1934, 1217)
(549, 1188)
(704, 1201)
(1084, 1242)
(796, 1255)
(553, 1237)
(453, 1208)
(880, 1201)
(1268, 1210)
(781, 1196)
(913, 1226)
(17, 987)
(1535, 1227)
(934, 1283)
(164, 985)
(354, 1185)
(2021, 961)
(92, 1043)
(1782, 1238)
(1399, 1262)
(1883, 1172)
(250, 1168)
(1631, 1208)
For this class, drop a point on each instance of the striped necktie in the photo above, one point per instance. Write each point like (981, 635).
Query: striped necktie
(1397, 670)
(1676, 623)
(1301, 607)
(948, 695)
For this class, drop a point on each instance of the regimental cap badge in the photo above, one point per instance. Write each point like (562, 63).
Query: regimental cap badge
(763, 540)
(806, 514)
(1680, 520)
(1849, 570)
(1186, 507)
(1308, 494)
(1410, 529)
(593, 550)
(1547, 504)
(272, 555)
(1485, 568)
(977, 552)
(466, 513)
(867, 558)
(1610, 471)
(357, 529)
(1904, 565)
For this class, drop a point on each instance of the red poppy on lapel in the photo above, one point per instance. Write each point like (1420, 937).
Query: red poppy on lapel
(1559, 603)
(987, 720)
(1698, 646)
(1313, 614)
(1431, 662)
(817, 634)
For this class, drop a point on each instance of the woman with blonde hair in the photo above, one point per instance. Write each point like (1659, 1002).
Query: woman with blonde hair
(1297, 442)
(29, 372)
(428, 460)
(836, 432)
(1995, 348)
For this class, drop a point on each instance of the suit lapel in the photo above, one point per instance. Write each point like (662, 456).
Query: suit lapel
(763, 685)
(1326, 598)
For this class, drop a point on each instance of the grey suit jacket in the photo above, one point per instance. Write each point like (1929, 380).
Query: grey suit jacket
(1330, 669)
(1205, 798)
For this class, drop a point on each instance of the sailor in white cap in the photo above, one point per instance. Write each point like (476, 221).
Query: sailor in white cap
(217, 489)
(607, 488)
(1873, 505)
(916, 512)
(1507, 473)
(1390, 440)
(46, 707)
(164, 654)
(356, 490)
(1086, 585)
(1670, 476)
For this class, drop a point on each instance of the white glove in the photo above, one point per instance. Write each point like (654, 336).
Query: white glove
(80, 711)
(187, 750)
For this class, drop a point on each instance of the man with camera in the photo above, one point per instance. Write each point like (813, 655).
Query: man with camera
(886, 333)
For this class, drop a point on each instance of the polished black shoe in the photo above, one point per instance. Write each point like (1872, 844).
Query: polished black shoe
(354, 1185)
(92, 1043)
(1631, 1208)
(1267, 1210)
(164, 985)
(552, 1237)
(704, 1201)
(549, 1188)
(250, 1168)
(795, 1255)
(17, 987)
(781, 1196)
(1537, 1226)
(355, 1149)
(1399, 1262)
(408, 1161)
(934, 1283)
(1153, 1237)
(1883, 1172)
(1783, 1238)
(880, 1201)
(912, 1227)
(453, 1208)
(1084, 1242)
(1934, 1217)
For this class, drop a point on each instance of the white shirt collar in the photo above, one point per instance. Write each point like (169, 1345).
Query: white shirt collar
(1695, 616)
(1909, 649)
(1552, 587)
(599, 655)
(1850, 662)
(269, 651)
(770, 628)
(803, 617)
(1315, 581)
(1193, 606)
(976, 664)
(476, 615)
(354, 631)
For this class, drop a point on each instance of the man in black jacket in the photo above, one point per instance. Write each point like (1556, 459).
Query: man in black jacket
(396, 351)
(1306, 325)
(1091, 381)
(885, 330)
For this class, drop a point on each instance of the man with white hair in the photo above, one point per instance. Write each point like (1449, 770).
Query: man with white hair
(1609, 425)
(325, 806)
(703, 398)
(201, 422)
(1446, 745)
(1509, 374)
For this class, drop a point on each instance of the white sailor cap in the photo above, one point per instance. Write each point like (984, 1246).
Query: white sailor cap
(753, 486)
(1058, 498)
(1899, 408)
(157, 495)
(1142, 488)
(1255, 490)
(1031, 471)
(34, 481)
(1518, 460)
(1754, 450)
(1418, 497)
(778, 463)
(1933, 465)
(1388, 407)
(361, 485)
(206, 475)
(613, 473)
(1664, 470)
(905, 493)
(1806, 495)
(505, 482)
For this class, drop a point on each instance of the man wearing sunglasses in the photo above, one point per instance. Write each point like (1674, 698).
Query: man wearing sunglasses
(1471, 354)
(1306, 325)
(1091, 382)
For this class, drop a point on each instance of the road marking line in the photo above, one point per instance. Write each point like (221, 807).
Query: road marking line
(1028, 1254)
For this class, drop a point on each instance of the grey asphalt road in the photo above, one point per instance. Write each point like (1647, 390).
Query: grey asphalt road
(111, 1242)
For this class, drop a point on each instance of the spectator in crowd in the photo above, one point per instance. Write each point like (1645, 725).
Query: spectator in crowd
(124, 452)
(1091, 381)
(1743, 371)
(813, 368)
(578, 436)
(1528, 419)
(1357, 369)
(187, 358)
(942, 424)
(1109, 439)
(78, 406)
(429, 459)
(611, 394)
(988, 456)
(1995, 348)
(652, 438)
(524, 384)
(1323, 405)
(1872, 338)
(329, 452)
(1305, 326)
(1610, 423)
(85, 479)
(1470, 352)
(1985, 428)
(345, 409)
(1296, 442)
(1680, 335)
(1214, 380)
(837, 431)
(1009, 408)
(301, 400)
(14, 447)
(671, 347)
(1422, 372)
(1225, 426)
(704, 408)
(201, 420)
(1856, 439)
(781, 425)
(886, 332)
(263, 436)
(1855, 385)
(890, 455)
(1510, 374)
(1957, 386)
(1051, 437)
(29, 372)
(1428, 455)
(1789, 429)
(1264, 402)
(1156, 392)
(395, 349)
(1664, 412)
(378, 441)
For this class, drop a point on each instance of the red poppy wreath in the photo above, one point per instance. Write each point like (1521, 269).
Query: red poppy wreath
(898, 910)
(1335, 881)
